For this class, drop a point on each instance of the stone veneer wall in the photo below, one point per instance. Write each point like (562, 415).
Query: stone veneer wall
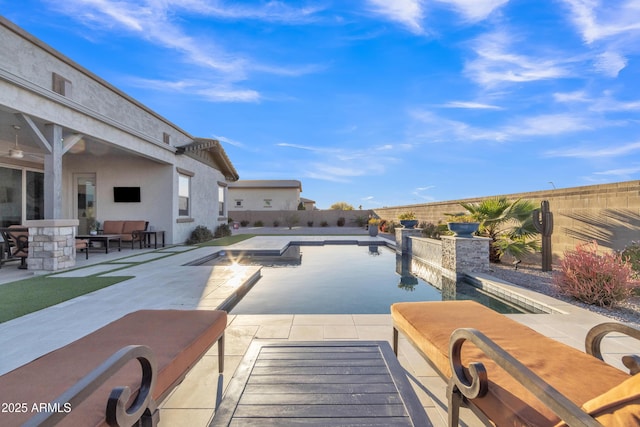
(465, 254)
(51, 244)
(607, 213)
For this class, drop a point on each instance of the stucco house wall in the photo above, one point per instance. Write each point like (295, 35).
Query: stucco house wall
(264, 195)
(117, 138)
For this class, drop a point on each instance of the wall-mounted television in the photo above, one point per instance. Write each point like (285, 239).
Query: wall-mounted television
(126, 194)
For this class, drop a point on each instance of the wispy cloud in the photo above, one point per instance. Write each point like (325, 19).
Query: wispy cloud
(496, 62)
(229, 141)
(621, 172)
(610, 63)
(217, 92)
(440, 129)
(408, 13)
(155, 21)
(471, 105)
(586, 152)
(603, 19)
(475, 10)
(303, 147)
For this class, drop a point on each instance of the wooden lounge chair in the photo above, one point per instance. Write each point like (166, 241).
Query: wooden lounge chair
(81, 384)
(511, 375)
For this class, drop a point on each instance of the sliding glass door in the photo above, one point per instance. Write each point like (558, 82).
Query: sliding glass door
(85, 197)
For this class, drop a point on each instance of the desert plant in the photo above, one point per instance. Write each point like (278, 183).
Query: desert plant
(407, 215)
(341, 221)
(258, 223)
(200, 234)
(361, 221)
(309, 223)
(276, 223)
(244, 223)
(291, 220)
(599, 279)
(430, 230)
(461, 217)
(391, 226)
(222, 230)
(631, 254)
(324, 224)
(508, 224)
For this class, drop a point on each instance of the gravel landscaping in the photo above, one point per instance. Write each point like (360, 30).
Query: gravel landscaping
(532, 277)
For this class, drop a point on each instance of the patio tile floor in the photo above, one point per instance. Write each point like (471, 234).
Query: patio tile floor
(168, 283)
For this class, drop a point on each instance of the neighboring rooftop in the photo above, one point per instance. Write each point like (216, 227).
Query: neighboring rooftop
(267, 183)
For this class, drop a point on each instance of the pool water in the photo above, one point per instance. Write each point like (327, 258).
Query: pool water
(339, 279)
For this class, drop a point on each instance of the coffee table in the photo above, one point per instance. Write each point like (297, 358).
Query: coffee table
(105, 239)
(323, 383)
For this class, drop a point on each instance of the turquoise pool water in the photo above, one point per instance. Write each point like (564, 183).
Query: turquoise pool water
(339, 279)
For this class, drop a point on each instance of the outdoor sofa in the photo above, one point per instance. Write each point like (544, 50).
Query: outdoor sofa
(148, 351)
(510, 375)
(129, 231)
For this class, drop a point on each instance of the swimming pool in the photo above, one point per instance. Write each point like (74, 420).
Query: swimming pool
(339, 279)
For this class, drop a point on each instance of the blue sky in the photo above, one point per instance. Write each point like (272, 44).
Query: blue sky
(377, 102)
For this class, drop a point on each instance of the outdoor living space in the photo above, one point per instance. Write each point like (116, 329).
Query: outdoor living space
(158, 282)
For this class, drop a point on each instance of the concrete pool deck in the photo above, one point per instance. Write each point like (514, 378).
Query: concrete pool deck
(161, 280)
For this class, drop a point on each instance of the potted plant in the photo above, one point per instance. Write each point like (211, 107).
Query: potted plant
(93, 225)
(408, 219)
(462, 225)
(373, 226)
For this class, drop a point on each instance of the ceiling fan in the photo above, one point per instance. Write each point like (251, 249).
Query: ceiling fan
(16, 152)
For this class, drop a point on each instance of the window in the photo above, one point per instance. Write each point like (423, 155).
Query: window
(61, 85)
(184, 193)
(221, 201)
(21, 196)
(166, 138)
(267, 203)
(238, 203)
(35, 195)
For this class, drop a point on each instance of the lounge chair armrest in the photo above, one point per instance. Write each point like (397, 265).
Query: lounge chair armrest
(117, 413)
(461, 387)
(596, 335)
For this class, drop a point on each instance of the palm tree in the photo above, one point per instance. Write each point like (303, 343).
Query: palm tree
(509, 225)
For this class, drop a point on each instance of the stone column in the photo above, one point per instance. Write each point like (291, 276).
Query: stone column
(52, 244)
(465, 254)
(403, 241)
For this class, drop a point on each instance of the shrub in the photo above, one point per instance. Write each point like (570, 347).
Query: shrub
(222, 230)
(324, 224)
(258, 223)
(361, 221)
(430, 230)
(631, 254)
(340, 221)
(200, 234)
(276, 223)
(309, 223)
(244, 223)
(589, 277)
(391, 227)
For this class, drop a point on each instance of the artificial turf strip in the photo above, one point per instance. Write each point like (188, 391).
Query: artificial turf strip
(228, 240)
(33, 294)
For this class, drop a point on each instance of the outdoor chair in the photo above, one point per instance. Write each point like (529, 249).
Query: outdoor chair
(18, 238)
(115, 375)
(511, 375)
(83, 245)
